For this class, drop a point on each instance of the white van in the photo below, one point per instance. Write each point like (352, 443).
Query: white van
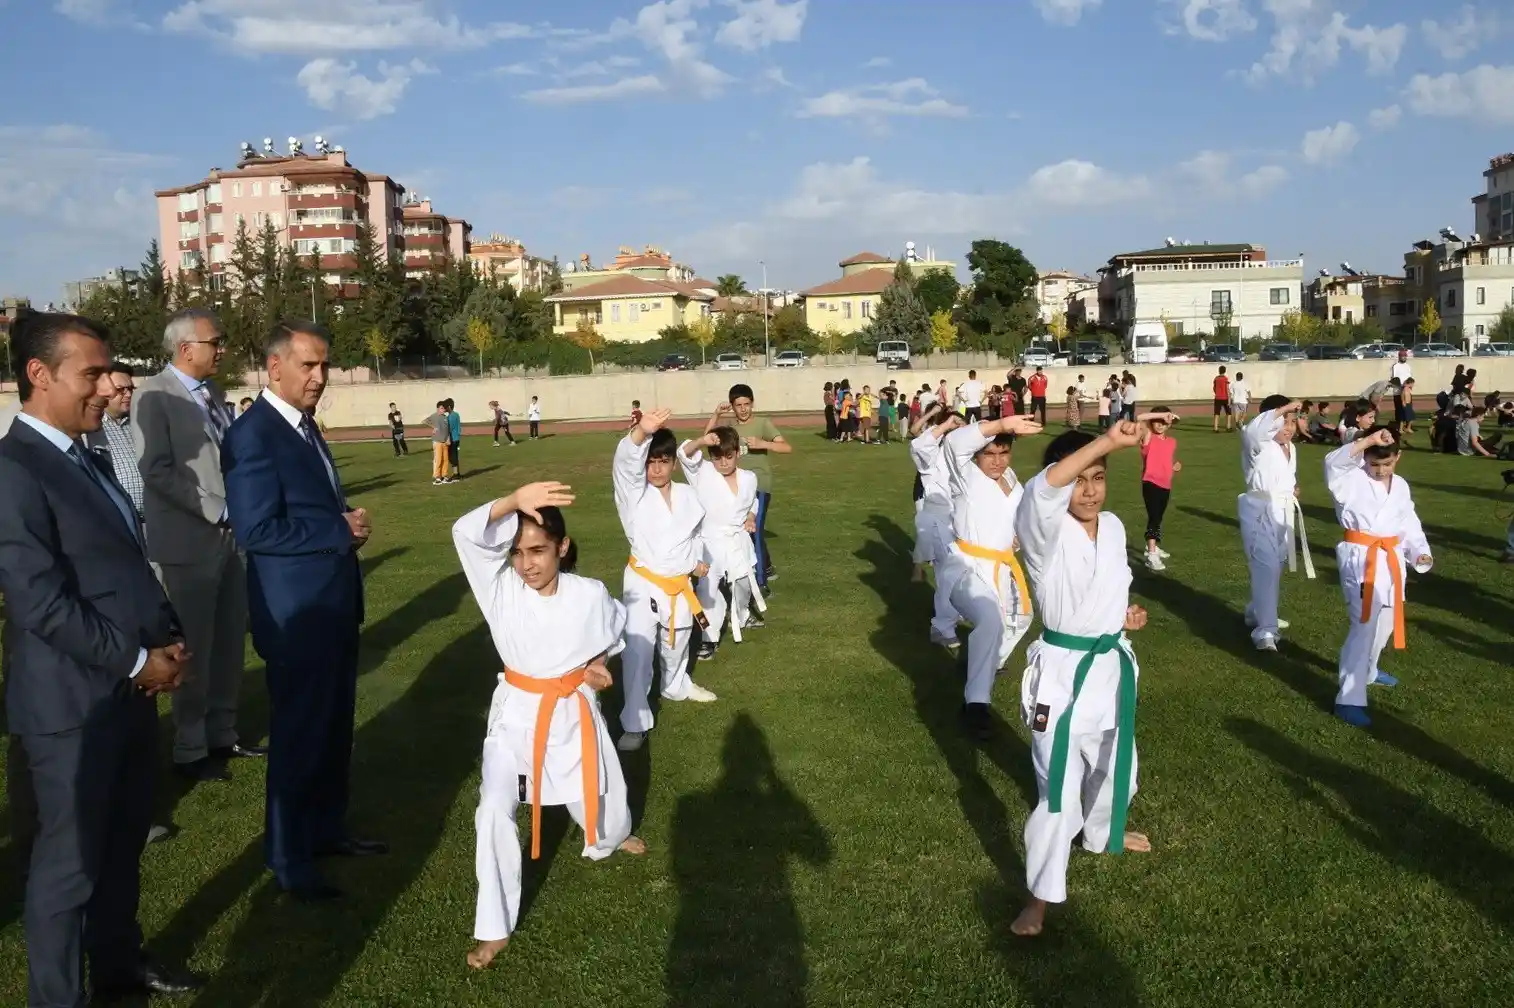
(1147, 343)
(893, 352)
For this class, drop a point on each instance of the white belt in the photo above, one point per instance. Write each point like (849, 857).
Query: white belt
(1293, 525)
(729, 538)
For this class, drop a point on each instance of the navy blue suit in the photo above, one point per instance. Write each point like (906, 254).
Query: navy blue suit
(305, 605)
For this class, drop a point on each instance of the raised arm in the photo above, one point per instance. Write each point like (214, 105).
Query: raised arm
(256, 508)
(1122, 434)
(484, 536)
(167, 477)
(717, 418)
(691, 454)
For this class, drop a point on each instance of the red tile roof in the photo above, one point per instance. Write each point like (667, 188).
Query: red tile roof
(871, 281)
(629, 286)
(865, 257)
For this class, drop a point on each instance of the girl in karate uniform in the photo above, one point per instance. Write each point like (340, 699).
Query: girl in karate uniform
(983, 578)
(1271, 519)
(553, 631)
(728, 495)
(933, 519)
(662, 521)
(1382, 534)
(1078, 694)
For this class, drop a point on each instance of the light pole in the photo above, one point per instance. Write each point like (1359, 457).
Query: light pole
(767, 350)
(312, 300)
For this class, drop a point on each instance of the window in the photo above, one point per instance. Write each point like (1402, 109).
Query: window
(1177, 328)
(236, 190)
(1372, 311)
(257, 189)
(1219, 302)
(656, 305)
(846, 309)
(218, 252)
(186, 202)
(615, 312)
(1279, 295)
(1482, 295)
(213, 224)
(188, 230)
(867, 309)
(277, 218)
(1411, 307)
(633, 313)
(213, 194)
(1335, 313)
(1451, 297)
(1481, 332)
(599, 315)
(1348, 316)
(820, 306)
(189, 260)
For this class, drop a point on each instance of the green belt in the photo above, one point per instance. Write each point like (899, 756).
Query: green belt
(1124, 753)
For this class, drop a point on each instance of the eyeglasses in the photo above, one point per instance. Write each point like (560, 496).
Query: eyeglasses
(217, 343)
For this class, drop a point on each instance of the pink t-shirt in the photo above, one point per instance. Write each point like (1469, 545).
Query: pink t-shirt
(1157, 456)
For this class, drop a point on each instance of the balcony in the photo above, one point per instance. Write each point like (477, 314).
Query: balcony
(1209, 267)
(188, 215)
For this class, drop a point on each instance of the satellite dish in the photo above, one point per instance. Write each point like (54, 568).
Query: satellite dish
(1170, 242)
(1324, 272)
(339, 149)
(268, 145)
(320, 141)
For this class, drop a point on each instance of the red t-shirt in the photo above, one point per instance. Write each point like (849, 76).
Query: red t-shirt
(635, 417)
(1157, 456)
(1038, 386)
(1222, 388)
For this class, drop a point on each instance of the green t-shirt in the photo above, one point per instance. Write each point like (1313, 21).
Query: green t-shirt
(763, 429)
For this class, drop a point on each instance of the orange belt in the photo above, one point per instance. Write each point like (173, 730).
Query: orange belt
(1001, 559)
(674, 587)
(551, 691)
(1389, 544)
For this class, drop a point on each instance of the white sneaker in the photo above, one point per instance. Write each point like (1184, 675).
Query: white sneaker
(1154, 562)
(1266, 642)
(631, 741)
(1282, 624)
(157, 833)
(698, 694)
(951, 644)
(1163, 553)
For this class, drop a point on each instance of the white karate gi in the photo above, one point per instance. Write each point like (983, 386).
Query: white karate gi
(1269, 515)
(983, 515)
(1083, 588)
(1366, 505)
(727, 544)
(666, 540)
(543, 637)
(933, 524)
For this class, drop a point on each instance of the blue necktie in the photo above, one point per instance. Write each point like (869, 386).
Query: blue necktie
(117, 497)
(313, 438)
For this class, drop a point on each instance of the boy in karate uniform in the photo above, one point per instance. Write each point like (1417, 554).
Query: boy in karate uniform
(983, 578)
(933, 519)
(662, 522)
(1383, 533)
(1271, 519)
(728, 495)
(1078, 694)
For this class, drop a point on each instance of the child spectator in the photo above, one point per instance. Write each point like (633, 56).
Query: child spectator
(1104, 407)
(828, 396)
(1158, 464)
(1240, 399)
(636, 413)
(1470, 439)
(1221, 399)
(1074, 414)
(533, 417)
(866, 405)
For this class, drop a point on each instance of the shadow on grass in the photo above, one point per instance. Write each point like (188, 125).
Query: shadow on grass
(1322, 551)
(1392, 823)
(409, 761)
(738, 939)
(1485, 492)
(1069, 964)
(367, 485)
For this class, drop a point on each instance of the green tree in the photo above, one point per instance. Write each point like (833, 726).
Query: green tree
(730, 285)
(789, 329)
(1502, 330)
(493, 303)
(900, 314)
(481, 337)
(938, 290)
(1429, 320)
(943, 331)
(830, 339)
(553, 284)
(1297, 327)
(702, 332)
(1002, 280)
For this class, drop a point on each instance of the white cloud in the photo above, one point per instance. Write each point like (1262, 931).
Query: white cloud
(626, 87)
(1461, 37)
(1213, 20)
(1329, 144)
(336, 86)
(878, 63)
(90, 12)
(1262, 181)
(1065, 12)
(875, 102)
(668, 28)
(1384, 118)
(591, 69)
(775, 75)
(1485, 92)
(1212, 174)
(760, 23)
(515, 70)
(1309, 36)
(334, 26)
(1082, 184)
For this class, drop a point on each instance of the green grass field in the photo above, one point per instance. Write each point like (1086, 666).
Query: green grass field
(824, 835)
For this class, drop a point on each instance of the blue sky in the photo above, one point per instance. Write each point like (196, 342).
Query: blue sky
(795, 131)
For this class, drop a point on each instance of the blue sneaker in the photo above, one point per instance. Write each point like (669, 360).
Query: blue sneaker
(1384, 679)
(1353, 715)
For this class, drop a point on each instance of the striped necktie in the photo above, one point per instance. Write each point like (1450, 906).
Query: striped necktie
(81, 458)
(213, 410)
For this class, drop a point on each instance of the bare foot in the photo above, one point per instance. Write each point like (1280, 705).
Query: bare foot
(634, 845)
(484, 952)
(1137, 842)
(1031, 920)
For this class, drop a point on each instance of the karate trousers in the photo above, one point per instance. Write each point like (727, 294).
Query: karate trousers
(995, 633)
(713, 600)
(497, 859)
(1364, 644)
(1087, 805)
(1265, 543)
(646, 642)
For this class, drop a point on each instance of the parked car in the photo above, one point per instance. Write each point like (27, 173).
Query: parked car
(1222, 353)
(790, 358)
(675, 362)
(1281, 352)
(1090, 352)
(1438, 350)
(1494, 350)
(1036, 356)
(730, 362)
(1372, 351)
(1327, 351)
(1182, 355)
(893, 352)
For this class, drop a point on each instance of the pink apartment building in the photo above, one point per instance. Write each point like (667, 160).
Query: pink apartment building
(431, 239)
(314, 202)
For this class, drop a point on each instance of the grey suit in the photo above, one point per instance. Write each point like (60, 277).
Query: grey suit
(81, 604)
(184, 504)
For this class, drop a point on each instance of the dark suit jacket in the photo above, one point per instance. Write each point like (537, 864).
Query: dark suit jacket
(81, 599)
(303, 581)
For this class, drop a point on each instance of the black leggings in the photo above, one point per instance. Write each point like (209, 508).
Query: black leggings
(1156, 506)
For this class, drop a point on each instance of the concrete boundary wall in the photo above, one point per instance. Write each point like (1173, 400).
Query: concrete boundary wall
(692, 393)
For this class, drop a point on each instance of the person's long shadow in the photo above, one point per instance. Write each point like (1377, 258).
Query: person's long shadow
(738, 939)
(1487, 493)
(409, 760)
(1068, 964)
(1322, 550)
(1392, 823)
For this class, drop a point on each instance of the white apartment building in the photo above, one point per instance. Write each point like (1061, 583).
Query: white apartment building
(1195, 288)
(1474, 283)
(1055, 288)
